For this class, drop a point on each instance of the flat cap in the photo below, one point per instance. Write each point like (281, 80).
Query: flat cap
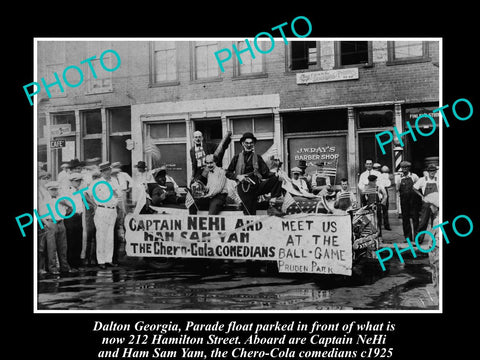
(52, 185)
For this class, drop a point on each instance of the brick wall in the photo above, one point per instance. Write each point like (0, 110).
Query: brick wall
(414, 82)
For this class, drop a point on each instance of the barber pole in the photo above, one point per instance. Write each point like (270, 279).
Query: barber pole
(398, 153)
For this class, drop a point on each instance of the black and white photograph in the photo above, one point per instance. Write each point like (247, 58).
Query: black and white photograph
(262, 174)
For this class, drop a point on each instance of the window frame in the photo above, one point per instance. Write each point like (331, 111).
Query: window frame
(288, 58)
(55, 66)
(270, 135)
(425, 57)
(89, 79)
(338, 57)
(193, 65)
(236, 65)
(152, 71)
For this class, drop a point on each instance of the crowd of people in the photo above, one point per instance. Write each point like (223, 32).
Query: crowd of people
(91, 232)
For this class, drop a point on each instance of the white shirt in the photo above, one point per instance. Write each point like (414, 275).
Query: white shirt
(217, 182)
(103, 192)
(139, 181)
(124, 180)
(423, 181)
(363, 181)
(42, 206)
(384, 180)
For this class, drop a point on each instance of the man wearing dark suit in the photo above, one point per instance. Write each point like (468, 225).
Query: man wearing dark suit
(252, 175)
(199, 150)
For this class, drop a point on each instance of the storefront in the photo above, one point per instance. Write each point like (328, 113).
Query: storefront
(163, 132)
(85, 133)
(334, 142)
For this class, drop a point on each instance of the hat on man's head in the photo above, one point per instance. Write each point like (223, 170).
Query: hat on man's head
(44, 175)
(372, 177)
(75, 176)
(302, 164)
(92, 161)
(431, 167)
(161, 169)
(405, 164)
(296, 170)
(104, 166)
(96, 175)
(116, 164)
(64, 165)
(248, 135)
(52, 185)
(377, 166)
(141, 165)
(75, 163)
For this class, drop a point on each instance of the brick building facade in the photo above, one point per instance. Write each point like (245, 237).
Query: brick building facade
(318, 100)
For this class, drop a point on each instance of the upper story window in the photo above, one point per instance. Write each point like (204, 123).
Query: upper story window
(353, 53)
(249, 66)
(205, 64)
(163, 62)
(303, 55)
(103, 81)
(54, 52)
(401, 52)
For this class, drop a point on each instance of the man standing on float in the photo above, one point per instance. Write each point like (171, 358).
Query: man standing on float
(252, 175)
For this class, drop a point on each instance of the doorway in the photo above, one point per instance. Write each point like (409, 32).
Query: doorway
(211, 130)
(370, 150)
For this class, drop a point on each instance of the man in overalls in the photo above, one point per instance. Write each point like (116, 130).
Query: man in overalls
(375, 194)
(409, 199)
(427, 184)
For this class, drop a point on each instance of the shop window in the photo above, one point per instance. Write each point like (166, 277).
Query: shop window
(174, 158)
(255, 125)
(42, 153)
(304, 55)
(92, 133)
(163, 62)
(314, 121)
(352, 53)
(64, 118)
(92, 122)
(168, 130)
(411, 115)
(120, 132)
(375, 118)
(92, 148)
(261, 126)
(205, 63)
(120, 120)
(400, 52)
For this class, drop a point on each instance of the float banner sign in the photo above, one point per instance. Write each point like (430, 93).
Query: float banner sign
(307, 243)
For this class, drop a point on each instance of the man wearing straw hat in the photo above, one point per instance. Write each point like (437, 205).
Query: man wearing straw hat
(105, 215)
